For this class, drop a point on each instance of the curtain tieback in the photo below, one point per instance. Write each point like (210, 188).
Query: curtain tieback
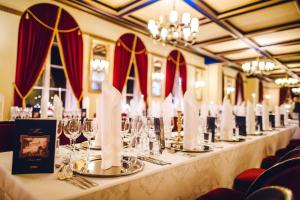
(20, 95)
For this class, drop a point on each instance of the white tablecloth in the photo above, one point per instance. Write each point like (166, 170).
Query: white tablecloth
(186, 178)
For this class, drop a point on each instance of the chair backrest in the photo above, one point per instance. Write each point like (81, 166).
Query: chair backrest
(295, 153)
(271, 193)
(285, 174)
(7, 131)
(1, 107)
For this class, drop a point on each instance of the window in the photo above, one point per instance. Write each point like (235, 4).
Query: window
(52, 81)
(130, 90)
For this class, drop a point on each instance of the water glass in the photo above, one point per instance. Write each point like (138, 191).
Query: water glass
(89, 129)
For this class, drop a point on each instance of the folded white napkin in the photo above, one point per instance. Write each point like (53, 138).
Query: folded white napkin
(86, 105)
(204, 114)
(283, 111)
(58, 107)
(277, 116)
(227, 121)
(265, 117)
(213, 109)
(98, 136)
(250, 118)
(240, 110)
(137, 106)
(190, 139)
(110, 126)
(155, 109)
(167, 109)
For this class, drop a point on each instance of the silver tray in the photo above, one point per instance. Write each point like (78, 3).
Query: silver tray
(260, 133)
(198, 150)
(238, 140)
(93, 145)
(93, 168)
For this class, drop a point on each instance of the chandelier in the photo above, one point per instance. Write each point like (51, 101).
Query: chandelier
(296, 91)
(284, 82)
(258, 67)
(174, 30)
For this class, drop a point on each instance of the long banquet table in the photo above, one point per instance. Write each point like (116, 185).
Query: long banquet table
(186, 178)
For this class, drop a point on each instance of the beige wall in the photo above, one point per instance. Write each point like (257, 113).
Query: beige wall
(8, 52)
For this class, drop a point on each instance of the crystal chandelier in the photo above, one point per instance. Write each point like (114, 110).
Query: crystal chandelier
(284, 82)
(174, 29)
(258, 67)
(296, 91)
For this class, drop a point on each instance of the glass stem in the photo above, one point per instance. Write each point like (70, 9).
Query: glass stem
(89, 149)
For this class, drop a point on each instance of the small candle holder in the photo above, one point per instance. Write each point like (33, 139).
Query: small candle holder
(179, 127)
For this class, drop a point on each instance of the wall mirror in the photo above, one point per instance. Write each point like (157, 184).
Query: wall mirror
(157, 76)
(99, 65)
(229, 87)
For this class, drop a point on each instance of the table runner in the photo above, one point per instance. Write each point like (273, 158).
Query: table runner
(186, 178)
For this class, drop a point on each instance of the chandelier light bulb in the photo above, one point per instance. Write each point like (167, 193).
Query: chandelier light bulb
(194, 25)
(261, 65)
(164, 33)
(186, 33)
(175, 34)
(173, 16)
(186, 18)
(151, 24)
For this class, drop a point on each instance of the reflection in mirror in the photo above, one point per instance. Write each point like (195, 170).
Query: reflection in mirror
(157, 76)
(99, 65)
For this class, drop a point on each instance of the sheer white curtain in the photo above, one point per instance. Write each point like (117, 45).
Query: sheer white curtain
(70, 101)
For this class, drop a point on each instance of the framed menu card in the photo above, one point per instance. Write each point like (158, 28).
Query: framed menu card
(34, 146)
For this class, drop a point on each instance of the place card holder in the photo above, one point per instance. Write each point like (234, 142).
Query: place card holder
(259, 122)
(34, 146)
(282, 122)
(272, 120)
(211, 126)
(159, 132)
(241, 124)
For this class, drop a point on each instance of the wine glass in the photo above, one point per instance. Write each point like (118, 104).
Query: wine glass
(168, 127)
(72, 132)
(89, 129)
(59, 130)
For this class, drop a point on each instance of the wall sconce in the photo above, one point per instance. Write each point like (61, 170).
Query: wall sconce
(100, 65)
(199, 84)
(267, 96)
(158, 76)
(230, 89)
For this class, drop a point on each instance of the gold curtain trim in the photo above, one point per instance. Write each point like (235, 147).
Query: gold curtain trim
(131, 50)
(40, 73)
(61, 53)
(175, 61)
(49, 27)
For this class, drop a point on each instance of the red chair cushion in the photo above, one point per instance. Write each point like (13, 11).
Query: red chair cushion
(223, 194)
(269, 162)
(243, 181)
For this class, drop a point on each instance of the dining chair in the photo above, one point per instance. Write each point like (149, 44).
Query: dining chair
(271, 193)
(243, 181)
(285, 174)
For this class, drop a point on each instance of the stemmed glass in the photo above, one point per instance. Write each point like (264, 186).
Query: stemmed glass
(89, 129)
(72, 132)
(59, 130)
(168, 127)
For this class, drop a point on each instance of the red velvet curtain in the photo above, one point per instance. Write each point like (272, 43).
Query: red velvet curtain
(239, 94)
(34, 41)
(260, 92)
(223, 87)
(175, 61)
(71, 48)
(37, 28)
(283, 94)
(130, 50)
